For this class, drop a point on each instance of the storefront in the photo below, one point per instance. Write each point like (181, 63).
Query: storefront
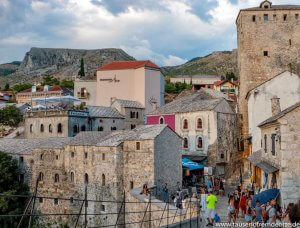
(193, 172)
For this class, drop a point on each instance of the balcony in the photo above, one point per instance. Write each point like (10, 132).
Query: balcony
(84, 95)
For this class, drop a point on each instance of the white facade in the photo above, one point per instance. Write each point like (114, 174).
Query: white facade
(86, 91)
(285, 86)
(144, 85)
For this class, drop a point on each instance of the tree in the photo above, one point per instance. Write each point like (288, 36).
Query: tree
(21, 87)
(81, 71)
(6, 87)
(50, 80)
(176, 88)
(230, 75)
(10, 115)
(67, 83)
(11, 184)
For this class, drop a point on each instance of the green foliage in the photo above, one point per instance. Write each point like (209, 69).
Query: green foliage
(6, 87)
(81, 71)
(11, 185)
(21, 87)
(67, 83)
(50, 80)
(10, 115)
(177, 87)
(230, 75)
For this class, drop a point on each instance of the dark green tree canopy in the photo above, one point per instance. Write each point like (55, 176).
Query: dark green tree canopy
(10, 115)
(81, 71)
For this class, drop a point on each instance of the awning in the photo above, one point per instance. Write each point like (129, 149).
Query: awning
(191, 165)
(265, 196)
(257, 160)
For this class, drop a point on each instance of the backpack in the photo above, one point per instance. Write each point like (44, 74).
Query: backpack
(217, 218)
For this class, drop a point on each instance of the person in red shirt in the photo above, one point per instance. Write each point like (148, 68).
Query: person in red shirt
(243, 202)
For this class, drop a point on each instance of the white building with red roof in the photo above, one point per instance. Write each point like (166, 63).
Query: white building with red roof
(140, 81)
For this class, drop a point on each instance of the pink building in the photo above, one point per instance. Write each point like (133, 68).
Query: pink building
(162, 119)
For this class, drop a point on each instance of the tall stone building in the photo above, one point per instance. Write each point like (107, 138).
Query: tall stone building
(268, 44)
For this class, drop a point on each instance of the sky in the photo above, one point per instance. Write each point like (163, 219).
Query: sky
(168, 32)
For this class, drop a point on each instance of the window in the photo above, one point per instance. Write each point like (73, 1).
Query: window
(161, 120)
(273, 144)
(137, 145)
(290, 42)
(296, 16)
(137, 115)
(185, 143)
(200, 142)
(266, 53)
(50, 128)
(274, 17)
(41, 156)
(71, 199)
(103, 180)
(132, 126)
(131, 185)
(253, 18)
(265, 143)
(72, 154)
(284, 17)
(72, 177)
(41, 200)
(85, 155)
(102, 208)
(100, 128)
(55, 201)
(222, 156)
(31, 126)
(21, 178)
(56, 178)
(185, 124)
(41, 176)
(42, 128)
(59, 128)
(132, 115)
(114, 121)
(56, 157)
(83, 128)
(86, 178)
(113, 128)
(21, 159)
(199, 123)
(266, 17)
(103, 157)
(75, 128)
(100, 120)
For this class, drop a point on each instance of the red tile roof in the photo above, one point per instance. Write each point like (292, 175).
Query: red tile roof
(121, 65)
(217, 83)
(41, 89)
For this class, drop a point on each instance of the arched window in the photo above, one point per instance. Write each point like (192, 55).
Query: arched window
(59, 128)
(75, 128)
(42, 128)
(41, 156)
(185, 124)
(103, 180)
(72, 177)
(83, 128)
(200, 142)
(86, 178)
(56, 178)
(161, 120)
(199, 123)
(41, 176)
(100, 128)
(50, 128)
(31, 126)
(185, 143)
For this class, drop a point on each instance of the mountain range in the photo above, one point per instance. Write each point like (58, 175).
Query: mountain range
(65, 63)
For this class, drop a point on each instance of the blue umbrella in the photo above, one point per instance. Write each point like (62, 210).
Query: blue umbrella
(191, 165)
(265, 196)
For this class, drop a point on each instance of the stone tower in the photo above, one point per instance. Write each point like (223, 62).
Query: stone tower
(268, 44)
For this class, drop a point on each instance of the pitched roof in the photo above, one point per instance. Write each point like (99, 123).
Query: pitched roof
(121, 65)
(114, 138)
(129, 103)
(217, 83)
(201, 100)
(274, 7)
(204, 76)
(104, 112)
(50, 89)
(279, 115)
(25, 146)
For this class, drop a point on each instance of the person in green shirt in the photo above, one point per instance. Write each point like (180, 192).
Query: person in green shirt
(210, 208)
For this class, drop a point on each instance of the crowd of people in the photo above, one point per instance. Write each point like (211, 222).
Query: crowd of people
(270, 212)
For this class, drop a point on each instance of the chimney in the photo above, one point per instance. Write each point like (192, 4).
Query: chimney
(112, 100)
(154, 105)
(275, 105)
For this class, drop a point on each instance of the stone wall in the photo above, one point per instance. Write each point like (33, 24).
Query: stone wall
(276, 37)
(106, 124)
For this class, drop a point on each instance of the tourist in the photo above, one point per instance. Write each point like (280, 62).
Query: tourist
(222, 189)
(145, 190)
(203, 195)
(271, 212)
(209, 184)
(243, 202)
(185, 202)
(236, 198)
(231, 210)
(289, 209)
(295, 213)
(165, 193)
(258, 212)
(249, 212)
(210, 208)
(178, 201)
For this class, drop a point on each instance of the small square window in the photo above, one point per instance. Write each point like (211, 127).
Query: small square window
(103, 157)
(222, 156)
(297, 16)
(72, 154)
(21, 159)
(266, 17)
(100, 120)
(290, 42)
(85, 155)
(55, 201)
(284, 17)
(266, 53)
(102, 208)
(56, 157)
(71, 200)
(253, 18)
(131, 185)
(137, 145)
(41, 200)
(114, 121)
(274, 17)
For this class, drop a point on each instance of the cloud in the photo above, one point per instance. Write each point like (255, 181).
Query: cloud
(168, 32)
